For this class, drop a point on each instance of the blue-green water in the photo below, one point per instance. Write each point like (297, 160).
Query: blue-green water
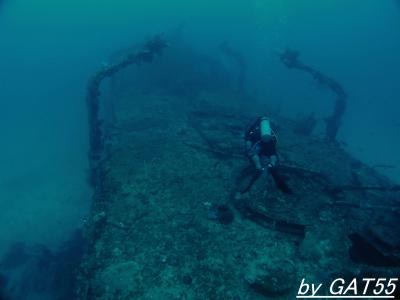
(48, 50)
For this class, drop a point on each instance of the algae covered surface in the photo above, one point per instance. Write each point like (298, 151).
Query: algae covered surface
(154, 232)
(125, 170)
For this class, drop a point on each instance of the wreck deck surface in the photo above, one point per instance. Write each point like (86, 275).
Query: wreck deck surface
(167, 161)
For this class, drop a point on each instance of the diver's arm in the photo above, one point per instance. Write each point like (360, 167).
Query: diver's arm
(253, 155)
(248, 146)
(273, 161)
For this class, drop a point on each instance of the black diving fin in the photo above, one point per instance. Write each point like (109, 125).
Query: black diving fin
(279, 181)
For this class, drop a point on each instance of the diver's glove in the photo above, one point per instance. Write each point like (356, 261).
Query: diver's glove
(260, 168)
(259, 171)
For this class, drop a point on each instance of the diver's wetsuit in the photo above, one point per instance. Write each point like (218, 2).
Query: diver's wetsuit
(262, 154)
(255, 146)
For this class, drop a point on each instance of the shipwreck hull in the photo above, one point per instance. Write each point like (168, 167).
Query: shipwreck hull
(166, 162)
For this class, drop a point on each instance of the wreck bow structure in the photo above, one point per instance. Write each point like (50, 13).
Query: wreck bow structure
(165, 223)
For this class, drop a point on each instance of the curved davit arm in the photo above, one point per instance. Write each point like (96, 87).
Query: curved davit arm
(151, 49)
(290, 59)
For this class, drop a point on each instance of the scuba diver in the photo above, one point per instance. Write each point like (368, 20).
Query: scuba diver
(261, 143)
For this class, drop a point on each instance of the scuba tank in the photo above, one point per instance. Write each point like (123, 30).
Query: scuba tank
(266, 132)
(260, 129)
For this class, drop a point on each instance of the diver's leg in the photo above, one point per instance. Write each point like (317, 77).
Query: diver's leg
(278, 179)
(254, 156)
(256, 160)
(252, 181)
(257, 163)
